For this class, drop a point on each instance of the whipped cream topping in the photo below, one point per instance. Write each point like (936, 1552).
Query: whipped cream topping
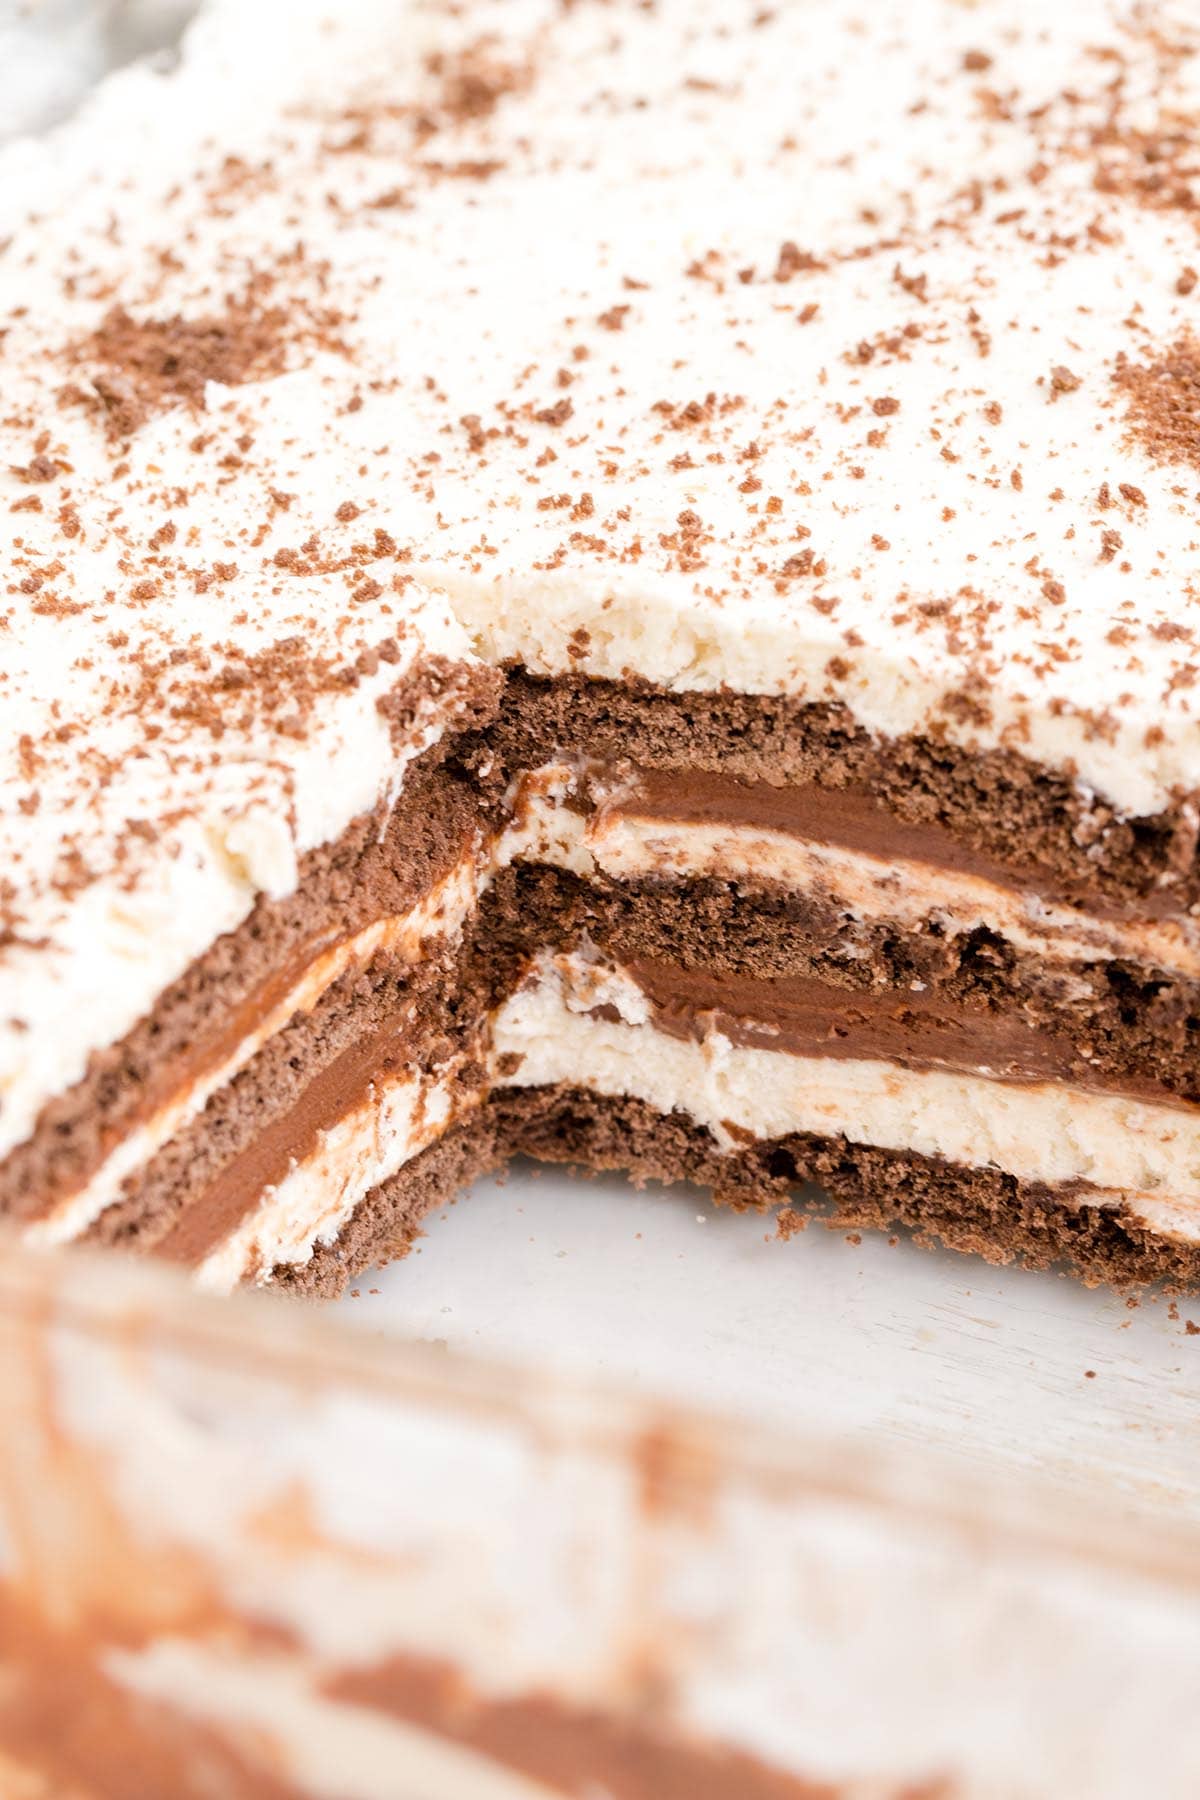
(787, 350)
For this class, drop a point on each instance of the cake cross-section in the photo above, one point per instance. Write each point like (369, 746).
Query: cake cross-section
(614, 582)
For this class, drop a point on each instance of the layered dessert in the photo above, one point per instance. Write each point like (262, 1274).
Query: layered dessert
(612, 582)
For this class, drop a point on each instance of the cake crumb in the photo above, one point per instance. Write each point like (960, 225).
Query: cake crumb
(789, 1222)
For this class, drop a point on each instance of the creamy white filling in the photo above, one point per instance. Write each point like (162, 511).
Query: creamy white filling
(311, 1204)
(1039, 1131)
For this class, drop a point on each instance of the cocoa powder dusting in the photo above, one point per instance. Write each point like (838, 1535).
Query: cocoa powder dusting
(1163, 401)
(140, 367)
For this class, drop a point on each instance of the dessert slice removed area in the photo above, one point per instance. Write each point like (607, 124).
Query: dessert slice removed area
(842, 976)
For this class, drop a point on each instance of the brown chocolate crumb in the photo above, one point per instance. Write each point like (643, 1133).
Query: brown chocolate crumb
(1063, 381)
(471, 84)
(794, 261)
(140, 367)
(40, 468)
(558, 414)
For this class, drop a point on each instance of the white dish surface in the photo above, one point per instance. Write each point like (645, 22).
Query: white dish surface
(883, 1339)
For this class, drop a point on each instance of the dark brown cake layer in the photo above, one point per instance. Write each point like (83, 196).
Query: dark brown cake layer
(1114, 1024)
(989, 803)
(983, 1212)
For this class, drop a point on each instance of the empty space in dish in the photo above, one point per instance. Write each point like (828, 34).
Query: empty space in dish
(876, 1339)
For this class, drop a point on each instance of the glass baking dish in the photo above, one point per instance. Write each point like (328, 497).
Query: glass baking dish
(252, 1548)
